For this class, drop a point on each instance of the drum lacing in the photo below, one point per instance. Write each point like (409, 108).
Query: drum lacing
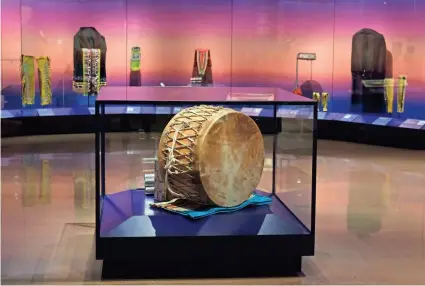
(171, 160)
(173, 165)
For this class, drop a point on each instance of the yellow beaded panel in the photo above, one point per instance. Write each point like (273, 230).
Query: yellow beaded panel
(325, 100)
(27, 80)
(86, 71)
(95, 69)
(43, 64)
(389, 93)
(401, 93)
(91, 73)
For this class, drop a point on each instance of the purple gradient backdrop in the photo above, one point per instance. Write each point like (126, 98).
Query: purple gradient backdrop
(252, 42)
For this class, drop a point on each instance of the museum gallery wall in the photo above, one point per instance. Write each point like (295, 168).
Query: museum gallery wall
(243, 43)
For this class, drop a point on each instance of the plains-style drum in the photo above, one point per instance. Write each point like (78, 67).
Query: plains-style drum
(211, 155)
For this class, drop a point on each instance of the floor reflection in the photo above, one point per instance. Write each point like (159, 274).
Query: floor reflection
(370, 208)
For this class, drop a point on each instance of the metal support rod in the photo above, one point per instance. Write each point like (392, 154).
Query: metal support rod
(102, 148)
(275, 134)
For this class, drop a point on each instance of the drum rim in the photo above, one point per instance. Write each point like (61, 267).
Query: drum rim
(198, 143)
(200, 140)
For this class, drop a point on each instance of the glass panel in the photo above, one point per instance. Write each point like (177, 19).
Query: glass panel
(383, 75)
(179, 42)
(84, 182)
(54, 34)
(294, 150)
(301, 31)
(367, 65)
(10, 30)
(202, 172)
(11, 100)
(256, 59)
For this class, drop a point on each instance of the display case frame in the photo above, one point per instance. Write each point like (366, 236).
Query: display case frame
(218, 256)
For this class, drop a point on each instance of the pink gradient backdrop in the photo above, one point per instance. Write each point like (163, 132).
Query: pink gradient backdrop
(251, 42)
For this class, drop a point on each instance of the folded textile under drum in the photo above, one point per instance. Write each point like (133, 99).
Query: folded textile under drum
(211, 155)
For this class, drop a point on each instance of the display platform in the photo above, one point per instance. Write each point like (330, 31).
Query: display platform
(129, 214)
(182, 95)
(136, 241)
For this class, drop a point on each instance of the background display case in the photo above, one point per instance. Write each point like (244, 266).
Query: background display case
(135, 239)
(367, 53)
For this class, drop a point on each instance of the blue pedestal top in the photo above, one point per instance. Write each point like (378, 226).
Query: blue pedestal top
(128, 214)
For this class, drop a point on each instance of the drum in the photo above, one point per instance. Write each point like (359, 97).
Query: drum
(211, 155)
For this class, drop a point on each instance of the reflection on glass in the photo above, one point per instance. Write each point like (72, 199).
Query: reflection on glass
(294, 163)
(30, 184)
(367, 205)
(136, 172)
(45, 189)
(84, 188)
(210, 159)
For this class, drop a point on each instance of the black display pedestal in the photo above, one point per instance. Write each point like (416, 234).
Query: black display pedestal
(135, 78)
(220, 267)
(267, 242)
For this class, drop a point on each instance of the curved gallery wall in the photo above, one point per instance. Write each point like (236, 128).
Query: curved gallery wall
(250, 43)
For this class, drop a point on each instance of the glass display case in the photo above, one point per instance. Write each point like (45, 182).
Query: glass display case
(207, 182)
(361, 65)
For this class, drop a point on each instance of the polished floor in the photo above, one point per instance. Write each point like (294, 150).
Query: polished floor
(370, 210)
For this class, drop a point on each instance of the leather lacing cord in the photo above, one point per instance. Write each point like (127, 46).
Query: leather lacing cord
(173, 164)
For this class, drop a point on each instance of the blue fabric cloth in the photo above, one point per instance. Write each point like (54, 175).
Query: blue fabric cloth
(196, 211)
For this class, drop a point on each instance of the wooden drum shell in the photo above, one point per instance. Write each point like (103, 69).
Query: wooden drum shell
(227, 157)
